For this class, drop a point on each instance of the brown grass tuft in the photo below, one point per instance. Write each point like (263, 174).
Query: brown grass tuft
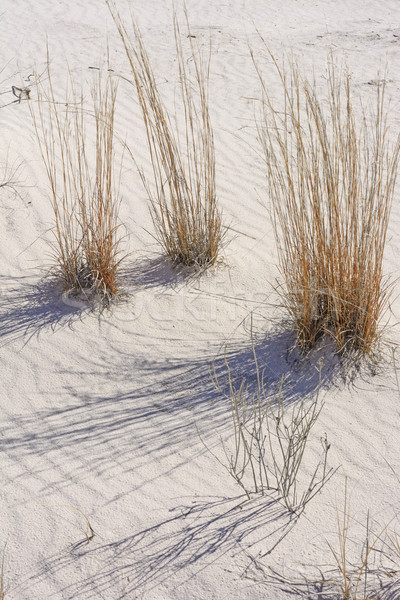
(83, 191)
(331, 182)
(183, 201)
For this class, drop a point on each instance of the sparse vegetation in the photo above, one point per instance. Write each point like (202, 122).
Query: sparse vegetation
(183, 198)
(270, 440)
(354, 581)
(331, 183)
(86, 249)
(392, 541)
(357, 572)
(331, 180)
(2, 583)
(9, 176)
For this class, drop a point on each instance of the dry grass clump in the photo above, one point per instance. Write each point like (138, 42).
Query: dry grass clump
(331, 181)
(183, 198)
(83, 189)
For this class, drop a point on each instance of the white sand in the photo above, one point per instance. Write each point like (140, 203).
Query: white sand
(98, 412)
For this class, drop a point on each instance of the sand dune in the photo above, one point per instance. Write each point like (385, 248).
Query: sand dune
(99, 411)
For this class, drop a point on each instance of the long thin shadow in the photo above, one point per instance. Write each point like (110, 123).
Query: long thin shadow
(391, 591)
(189, 540)
(151, 414)
(272, 361)
(28, 306)
(319, 587)
(326, 584)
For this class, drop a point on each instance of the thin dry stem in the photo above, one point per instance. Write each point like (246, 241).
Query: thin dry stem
(2, 583)
(269, 441)
(354, 579)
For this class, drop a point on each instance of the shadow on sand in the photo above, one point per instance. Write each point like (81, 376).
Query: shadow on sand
(27, 307)
(179, 547)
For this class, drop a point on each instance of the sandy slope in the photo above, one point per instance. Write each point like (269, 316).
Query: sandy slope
(98, 412)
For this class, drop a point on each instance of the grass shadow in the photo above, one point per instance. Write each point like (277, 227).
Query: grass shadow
(140, 414)
(28, 306)
(158, 271)
(177, 548)
(325, 584)
(278, 358)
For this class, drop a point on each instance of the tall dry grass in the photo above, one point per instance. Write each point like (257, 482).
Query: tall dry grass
(86, 244)
(183, 198)
(331, 179)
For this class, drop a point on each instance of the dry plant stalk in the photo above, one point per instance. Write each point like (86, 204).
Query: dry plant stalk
(353, 582)
(83, 188)
(87, 529)
(392, 544)
(331, 183)
(269, 441)
(2, 585)
(183, 201)
(8, 177)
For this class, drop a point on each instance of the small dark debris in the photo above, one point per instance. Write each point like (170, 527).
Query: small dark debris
(21, 93)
